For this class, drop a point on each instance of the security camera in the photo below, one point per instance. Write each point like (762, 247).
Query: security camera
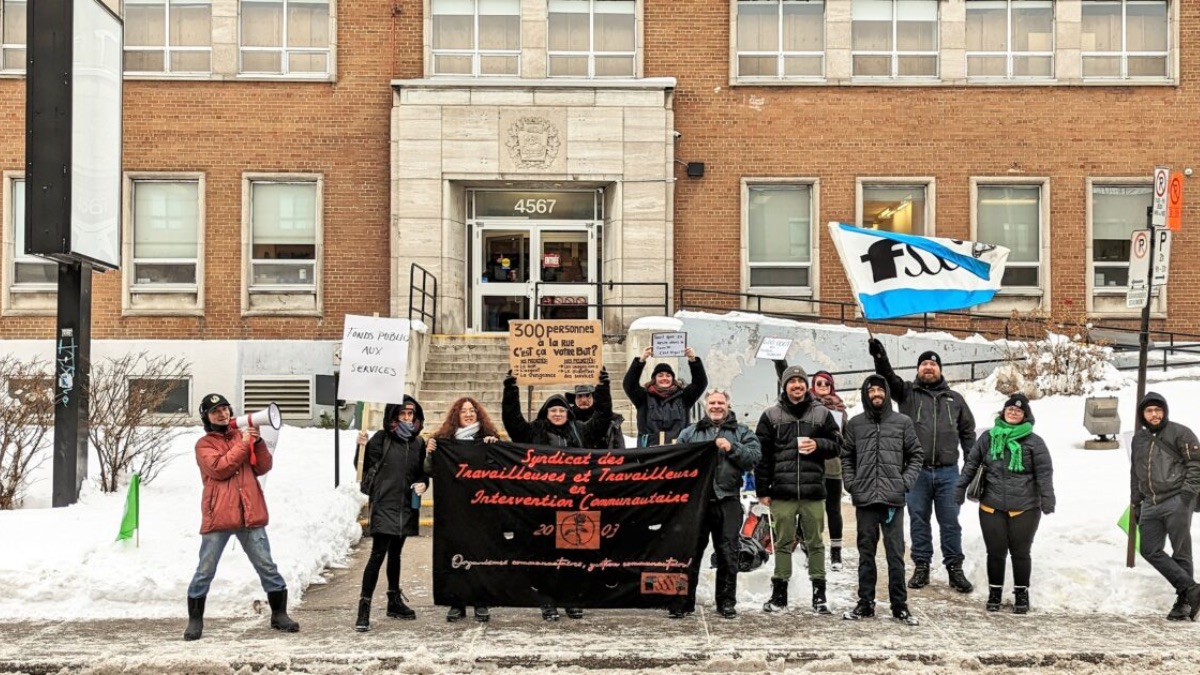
(677, 135)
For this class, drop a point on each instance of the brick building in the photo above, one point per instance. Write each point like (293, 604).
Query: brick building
(287, 161)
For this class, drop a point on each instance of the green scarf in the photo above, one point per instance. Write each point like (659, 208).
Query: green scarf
(1007, 435)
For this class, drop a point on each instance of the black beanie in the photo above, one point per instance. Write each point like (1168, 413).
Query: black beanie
(662, 368)
(929, 355)
(1019, 400)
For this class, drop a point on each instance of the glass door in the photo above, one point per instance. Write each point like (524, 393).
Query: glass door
(501, 283)
(566, 264)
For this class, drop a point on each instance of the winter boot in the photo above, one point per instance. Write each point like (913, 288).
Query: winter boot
(778, 601)
(1192, 594)
(195, 627)
(363, 623)
(549, 612)
(396, 609)
(820, 604)
(865, 609)
(958, 580)
(279, 618)
(1021, 600)
(727, 610)
(920, 575)
(1181, 609)
(574, 613)
(904, 616)
(482, 615)
(995, 593)
(455, 613)
(835, 558)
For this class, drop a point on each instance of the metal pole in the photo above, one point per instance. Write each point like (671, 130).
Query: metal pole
(1143, 355)
(337, 434)
(72, 365)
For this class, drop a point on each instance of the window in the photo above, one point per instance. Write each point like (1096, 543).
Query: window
(283, 236)
(166, 225)
(895, 208)
(779, 235)
(30, 272)
(894, 38)
(1011, 216)
(162, 397)
(476, 37)
(1124, 39)
(12, 34)
(1117, 210)
(1010, 39)
(286, 37)
(781, 38)
(591, 38)
(168, 36)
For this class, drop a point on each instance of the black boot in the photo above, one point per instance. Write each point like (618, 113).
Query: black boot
(363, 623)
(920, 575)
(574, 613)
(549, 612)
(904, 616)
(958, 580)
(279, 618)
(835, 558)
(727, 610)
(396, 609)
(455, 614)
(1181, 608)
(865, 609)
(820, 604)
(995, 593)
(778, 601)
(1021, 600)
(195, 627)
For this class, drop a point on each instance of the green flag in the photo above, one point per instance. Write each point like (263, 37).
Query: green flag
(1123, 523)
(129, 522)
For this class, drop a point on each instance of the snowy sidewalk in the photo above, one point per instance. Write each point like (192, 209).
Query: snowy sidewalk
(955, 635)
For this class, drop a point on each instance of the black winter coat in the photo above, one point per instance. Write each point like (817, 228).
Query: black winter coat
(1004, 490)
(941, 415)
(573, 434)
(744, 452)
(1166, 459)
(401, 463)
(657, 415)
(784, 473)
(881, 456)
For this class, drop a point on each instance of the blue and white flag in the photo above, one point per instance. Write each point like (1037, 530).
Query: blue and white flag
(895, 274)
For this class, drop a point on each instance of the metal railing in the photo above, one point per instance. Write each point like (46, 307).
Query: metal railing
(1127, 339)
(602, 302)
(425, 294)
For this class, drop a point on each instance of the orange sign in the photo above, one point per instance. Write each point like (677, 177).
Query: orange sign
(1175, 202)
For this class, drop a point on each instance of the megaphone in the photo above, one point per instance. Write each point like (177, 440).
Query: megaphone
(267, 417)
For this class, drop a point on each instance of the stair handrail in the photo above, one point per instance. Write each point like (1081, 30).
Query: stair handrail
(425, 294)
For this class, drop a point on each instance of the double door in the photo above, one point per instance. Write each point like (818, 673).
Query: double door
(519, 267)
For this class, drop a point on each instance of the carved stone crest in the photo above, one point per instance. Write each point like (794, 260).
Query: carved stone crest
(533, 142)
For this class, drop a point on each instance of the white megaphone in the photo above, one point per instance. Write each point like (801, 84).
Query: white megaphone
(267, 417)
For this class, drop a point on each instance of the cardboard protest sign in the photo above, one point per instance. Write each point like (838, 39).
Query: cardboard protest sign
(531, 525)
(773, 348)
(374, 359)
(555, 352)
(668, 344)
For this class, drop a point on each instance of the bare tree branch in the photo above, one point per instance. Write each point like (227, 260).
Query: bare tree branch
(26, 420)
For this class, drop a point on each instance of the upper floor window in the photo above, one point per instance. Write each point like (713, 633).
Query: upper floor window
(781, 38)
(166, 223)
(12, 34)
(29, 272)
(168, 36)
(476, 37)
(894, 38)
(1011, 216)
(283, 235)
(1117, 210)
(1125, 39)
(591, 38)
(779, 221)
(1010, 39)
(895, 208)
(286, 37)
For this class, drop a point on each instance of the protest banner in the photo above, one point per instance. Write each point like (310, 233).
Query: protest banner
(374, 359)
(773, 348)
(522, 526)
(668, 344)
(555, 352)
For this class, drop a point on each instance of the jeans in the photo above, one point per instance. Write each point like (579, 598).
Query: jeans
(1170, 519)
(934, 494)
(1006, 535)
(258, 550)
(873, 521)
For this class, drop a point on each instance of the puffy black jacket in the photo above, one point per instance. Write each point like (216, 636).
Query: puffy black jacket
(941, 415)
(1166, 458)
(784, 473)
(1005, 490)
(573, 434)
(656, 414)
(744, 452)
(881, 456)
(401, 463)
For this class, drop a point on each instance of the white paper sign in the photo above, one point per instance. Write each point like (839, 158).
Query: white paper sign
(773, 348)
(374, 359)
(668, 344)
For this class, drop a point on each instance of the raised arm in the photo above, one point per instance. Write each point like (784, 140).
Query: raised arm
(510, 412)
(632, 383)
(883, 368)
(699, 383)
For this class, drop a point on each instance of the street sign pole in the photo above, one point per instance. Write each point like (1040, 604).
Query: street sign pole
(1143, 357)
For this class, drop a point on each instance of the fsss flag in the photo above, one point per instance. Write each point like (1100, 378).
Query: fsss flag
(894, 274)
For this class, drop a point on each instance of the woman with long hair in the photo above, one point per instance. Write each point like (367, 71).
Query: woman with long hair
(466, 420)
(824, 390)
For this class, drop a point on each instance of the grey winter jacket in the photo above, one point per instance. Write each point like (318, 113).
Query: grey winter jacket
(784, 473)
(881, 456)
(941, 415)
(744, 453)
(1166, 459)
(1005, 490)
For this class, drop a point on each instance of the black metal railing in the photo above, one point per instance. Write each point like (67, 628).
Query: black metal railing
(426, 296)
(603, 301)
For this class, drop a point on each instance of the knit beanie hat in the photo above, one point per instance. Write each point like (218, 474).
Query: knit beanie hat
(929, 355)
(793, 371)
(1019, 400)
(662, 368)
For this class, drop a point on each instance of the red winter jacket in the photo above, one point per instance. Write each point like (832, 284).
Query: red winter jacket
(233, 499)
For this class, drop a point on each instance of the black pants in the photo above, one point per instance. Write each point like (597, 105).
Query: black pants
(722, 522)
(1005, 536)
(833, 509)
(383, 545)
(1170, 519)
(871, 522)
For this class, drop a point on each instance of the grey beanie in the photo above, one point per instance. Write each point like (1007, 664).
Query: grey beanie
(793, 371)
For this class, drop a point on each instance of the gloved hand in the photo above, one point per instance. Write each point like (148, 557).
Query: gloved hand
(960, 498)
(510, 380)
(1135, 512)
(1047, 510)
(875, 347)
(604, 379)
